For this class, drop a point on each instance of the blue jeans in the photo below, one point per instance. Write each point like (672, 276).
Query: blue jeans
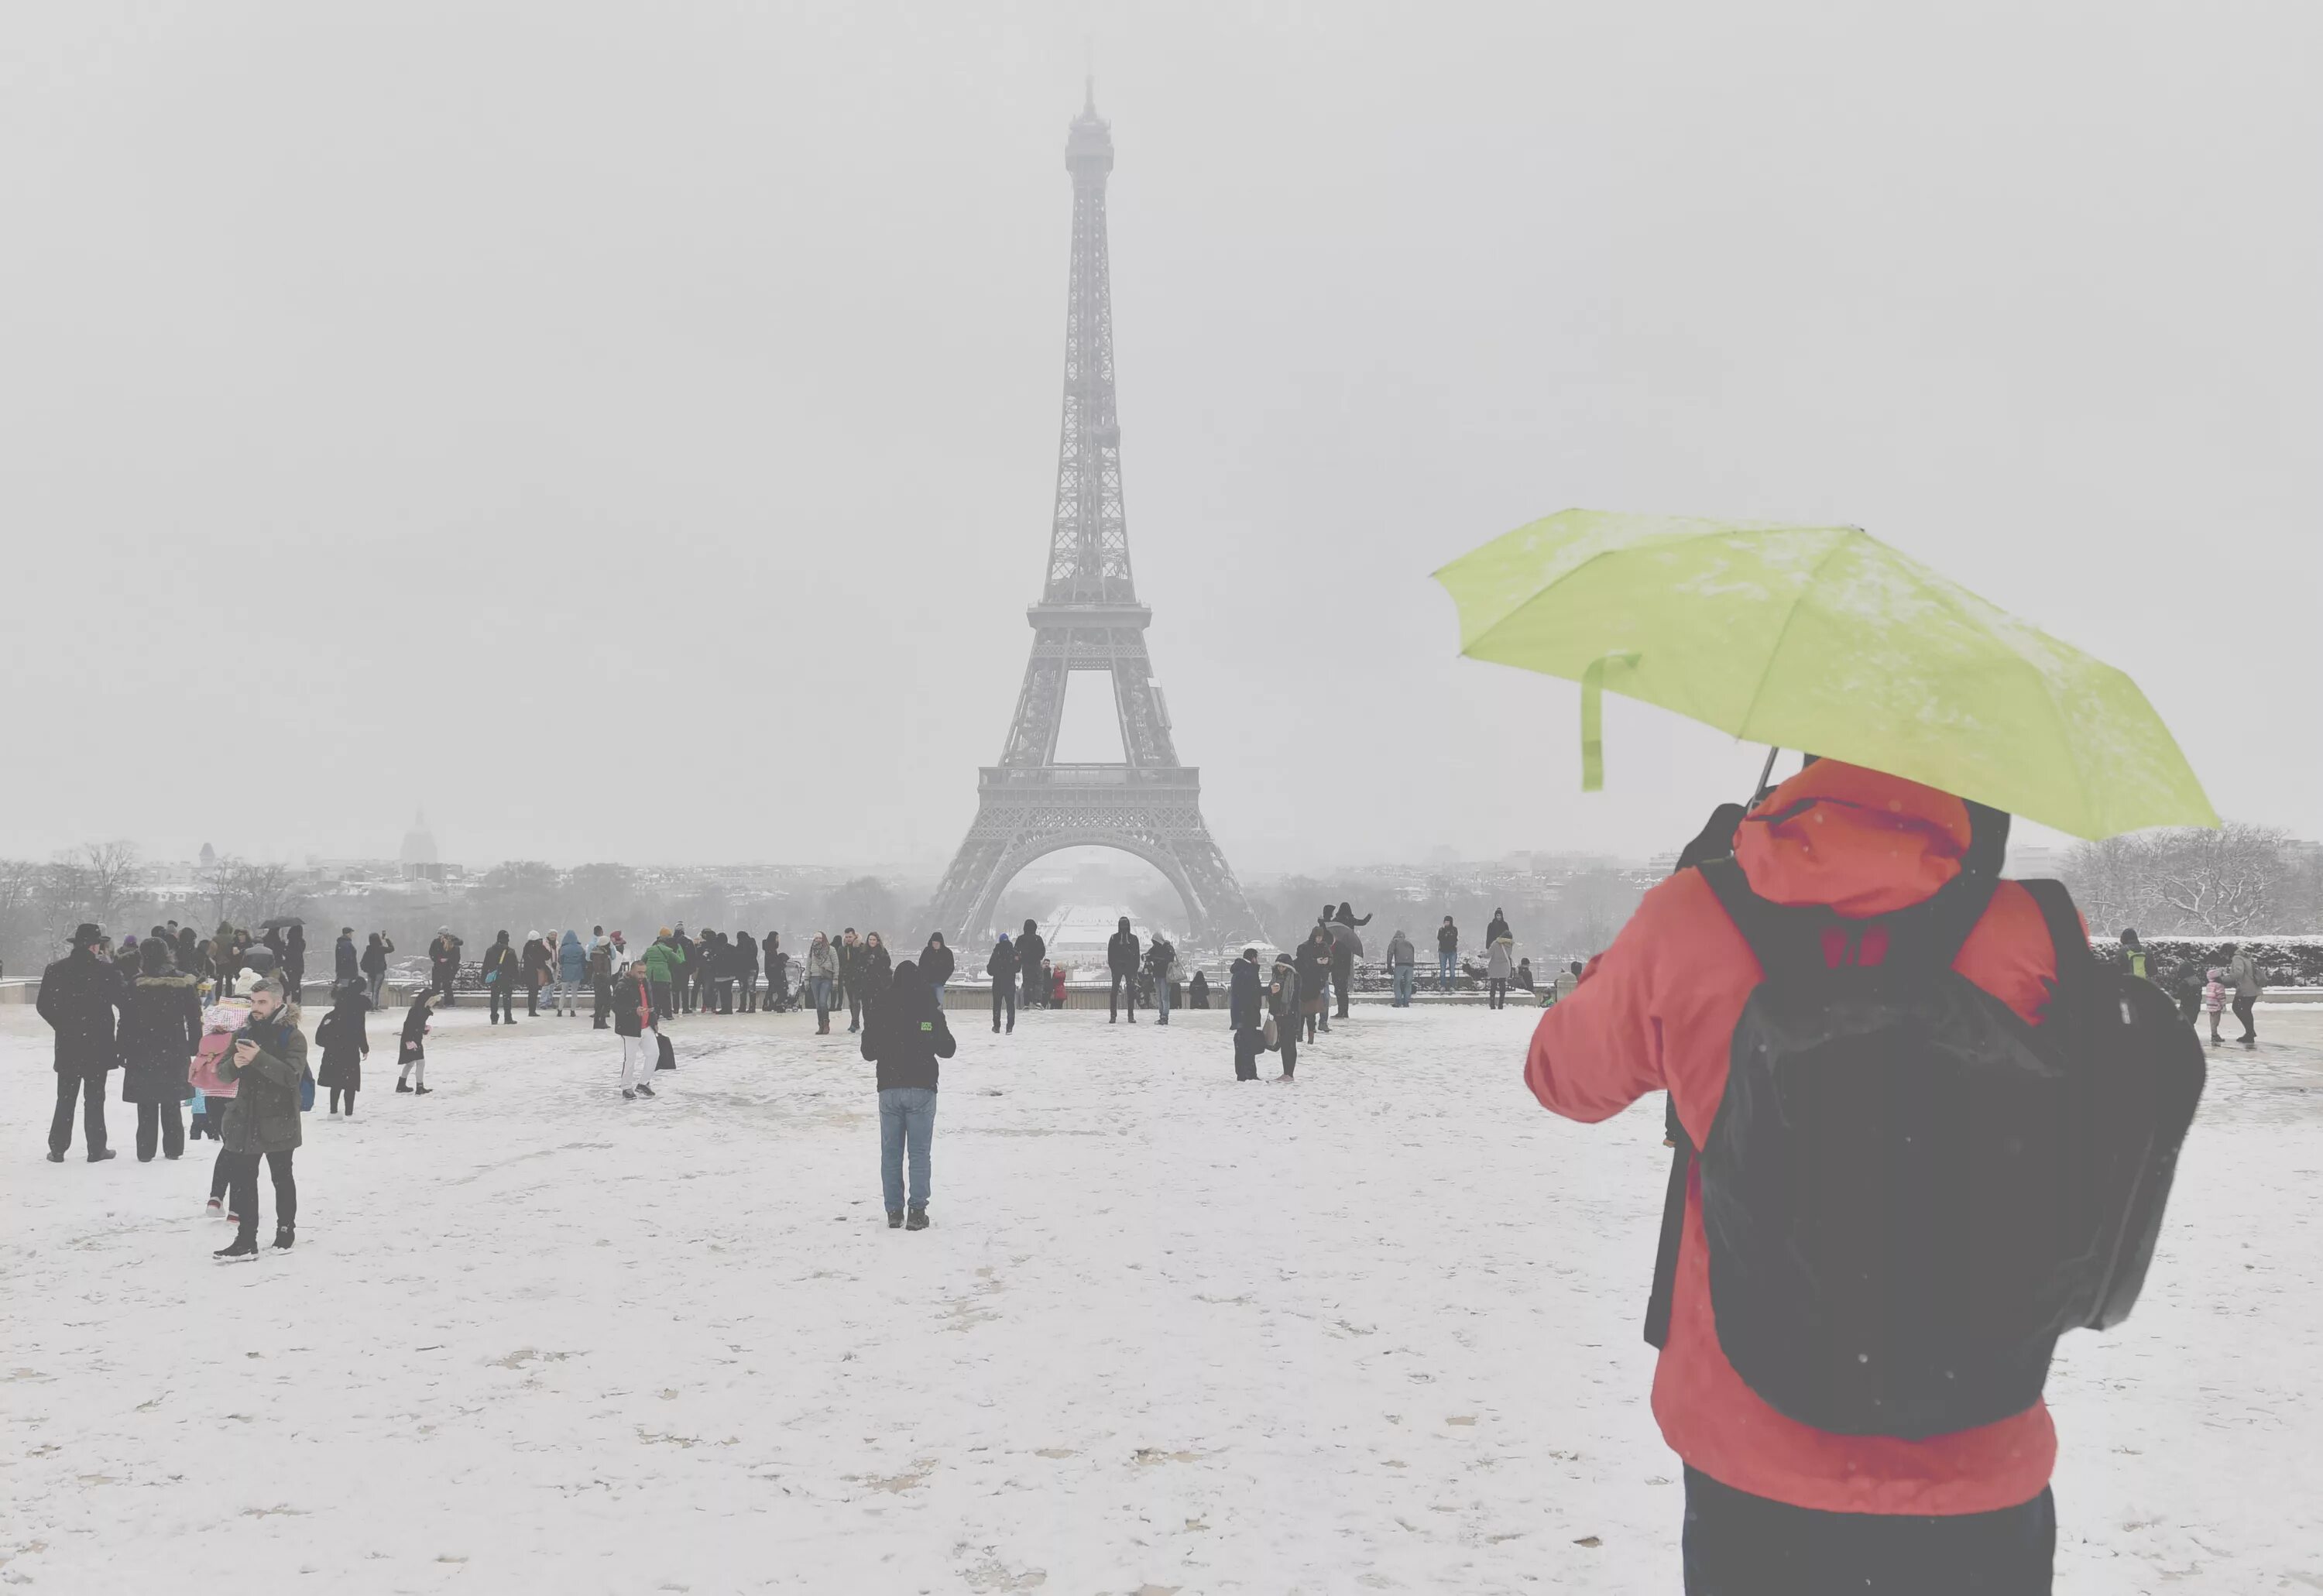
(1403, 974)
(1444, 963)
(1161, 997)
(907, 1118)
(820, 989)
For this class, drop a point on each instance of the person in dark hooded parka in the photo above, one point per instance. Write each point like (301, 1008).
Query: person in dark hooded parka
(160, 1029)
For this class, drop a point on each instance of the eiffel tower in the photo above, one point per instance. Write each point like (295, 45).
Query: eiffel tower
(1088, 619)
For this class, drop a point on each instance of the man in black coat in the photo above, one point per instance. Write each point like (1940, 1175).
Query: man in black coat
(1121, 959)
(80, 994)
(745, 971)
(344, 957)
(1032, 951)
(1244, 998)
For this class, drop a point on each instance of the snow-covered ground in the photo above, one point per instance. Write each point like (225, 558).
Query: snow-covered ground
(1377, 1330)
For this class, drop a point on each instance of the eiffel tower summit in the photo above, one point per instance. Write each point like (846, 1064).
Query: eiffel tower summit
(1088, 619)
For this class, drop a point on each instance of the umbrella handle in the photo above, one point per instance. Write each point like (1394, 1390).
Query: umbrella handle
(1593, 718)
(1766, 772)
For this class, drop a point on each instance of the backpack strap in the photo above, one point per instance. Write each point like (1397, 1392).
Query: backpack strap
(1658, 1304)
(1786, 938)
(2077, 962)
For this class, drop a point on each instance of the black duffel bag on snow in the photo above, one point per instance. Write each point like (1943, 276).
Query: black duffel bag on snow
(1908, 1193)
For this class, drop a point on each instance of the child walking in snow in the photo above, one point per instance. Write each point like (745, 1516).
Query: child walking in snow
(2214, 999)
(413, 1060)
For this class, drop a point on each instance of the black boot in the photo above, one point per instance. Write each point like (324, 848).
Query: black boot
(895, 1219)
(918, 1220)
(403, 1086)
(244, 1245)
(99, 1156)
(282, 1237)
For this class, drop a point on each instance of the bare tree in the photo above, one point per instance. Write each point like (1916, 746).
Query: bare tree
(21, 897)
(252, 892)
(2216, 882)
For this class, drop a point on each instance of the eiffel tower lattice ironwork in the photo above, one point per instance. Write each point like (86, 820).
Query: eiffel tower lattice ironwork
(1088, 619)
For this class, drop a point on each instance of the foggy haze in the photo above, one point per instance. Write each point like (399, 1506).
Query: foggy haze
(630, 432)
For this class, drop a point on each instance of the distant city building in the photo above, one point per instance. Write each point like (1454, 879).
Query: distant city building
(209, 857)
(417, 855)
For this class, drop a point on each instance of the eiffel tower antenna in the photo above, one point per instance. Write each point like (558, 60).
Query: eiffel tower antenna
(1088, 619)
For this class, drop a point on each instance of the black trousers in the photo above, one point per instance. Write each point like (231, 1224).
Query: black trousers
(502, 999)
(2246, 1011)
(90, 1088)
(722, 989)
(854, 1008)
(1003, 996)
(1113, 1000)
(1740, 1544)
(750, 986)
(1289, 1034)
(1249, 1043)
(1034, 997)
(241, 1170)
(1498, 991)
(161, 1121)
(604, 984)
(1342, 979)
(531, 997)
(445, 976)
(348, 1093)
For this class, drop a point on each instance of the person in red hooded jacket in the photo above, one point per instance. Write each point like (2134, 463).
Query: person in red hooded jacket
(1774, 1505)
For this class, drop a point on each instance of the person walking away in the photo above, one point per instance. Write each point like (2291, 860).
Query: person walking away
(1121, 960)
(189, 954)
(1773, 1503)
(342, 1037)
(2133, 952)
(1313, 962)
(1346, 946)
(411, 1055)
(443, 964)
(266, 1064)
(537, 964)
(1002, 968)
(851, 979)
(1161, 955)
(161, 1028)
(1401, 959)
(80, 995)
(1198, 991)
(1498, 929)
(745, 971)
(502, 970)
(294, 958)
(936, 964)
(904, 1034)
(1498, 969)
(1285, 1008)
(1447, 953)
(600, 967)
(373, 966)
(664, 959)
(1245, 1016)
(1031, 957)
(2242, 974)
(2214, 999)
(693, 971)
(633, 1023)
(345, 960)
(779, 973)
(821, 980)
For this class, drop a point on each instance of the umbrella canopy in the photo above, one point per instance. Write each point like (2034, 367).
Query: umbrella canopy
(1825, 639)
(277, 921)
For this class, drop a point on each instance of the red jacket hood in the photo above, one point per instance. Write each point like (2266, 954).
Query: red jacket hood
(1861, 841)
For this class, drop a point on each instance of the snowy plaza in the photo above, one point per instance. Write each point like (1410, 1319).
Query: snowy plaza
(1376, 1330)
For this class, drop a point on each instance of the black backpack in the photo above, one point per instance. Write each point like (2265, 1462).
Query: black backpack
(1908, 1193)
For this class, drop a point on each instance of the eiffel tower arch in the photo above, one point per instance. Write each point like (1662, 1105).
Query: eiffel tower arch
(1088, 619)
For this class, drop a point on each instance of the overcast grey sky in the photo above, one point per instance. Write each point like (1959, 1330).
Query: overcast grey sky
(629, 430)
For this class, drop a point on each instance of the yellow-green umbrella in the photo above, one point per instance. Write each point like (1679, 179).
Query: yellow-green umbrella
(1825, 639)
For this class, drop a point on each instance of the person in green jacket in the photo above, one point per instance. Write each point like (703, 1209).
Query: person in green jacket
(267, 1062)
(662, 957)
